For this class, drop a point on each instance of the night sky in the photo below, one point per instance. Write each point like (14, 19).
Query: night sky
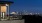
(28, 5)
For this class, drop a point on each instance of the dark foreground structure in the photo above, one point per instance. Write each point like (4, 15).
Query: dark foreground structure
(32, 18)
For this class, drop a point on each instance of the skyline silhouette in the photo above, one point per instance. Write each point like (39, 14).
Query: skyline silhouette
(28, 5)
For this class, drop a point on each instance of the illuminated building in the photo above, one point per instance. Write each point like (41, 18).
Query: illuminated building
(4, 9)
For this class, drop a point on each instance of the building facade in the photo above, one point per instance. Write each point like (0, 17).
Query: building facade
(4, 9)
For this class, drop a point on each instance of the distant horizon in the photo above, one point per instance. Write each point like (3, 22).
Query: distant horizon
(28, 12)
(28, 5)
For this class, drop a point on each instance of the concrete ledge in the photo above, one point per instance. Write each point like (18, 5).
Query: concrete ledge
(13, 21)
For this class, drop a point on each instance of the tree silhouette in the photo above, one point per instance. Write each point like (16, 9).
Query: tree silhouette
(32, 19)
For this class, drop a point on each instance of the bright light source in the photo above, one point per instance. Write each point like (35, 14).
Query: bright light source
(3, 15)
(6, 4)
(13, 13)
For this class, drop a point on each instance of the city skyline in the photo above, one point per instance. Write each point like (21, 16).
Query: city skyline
(28, 5)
